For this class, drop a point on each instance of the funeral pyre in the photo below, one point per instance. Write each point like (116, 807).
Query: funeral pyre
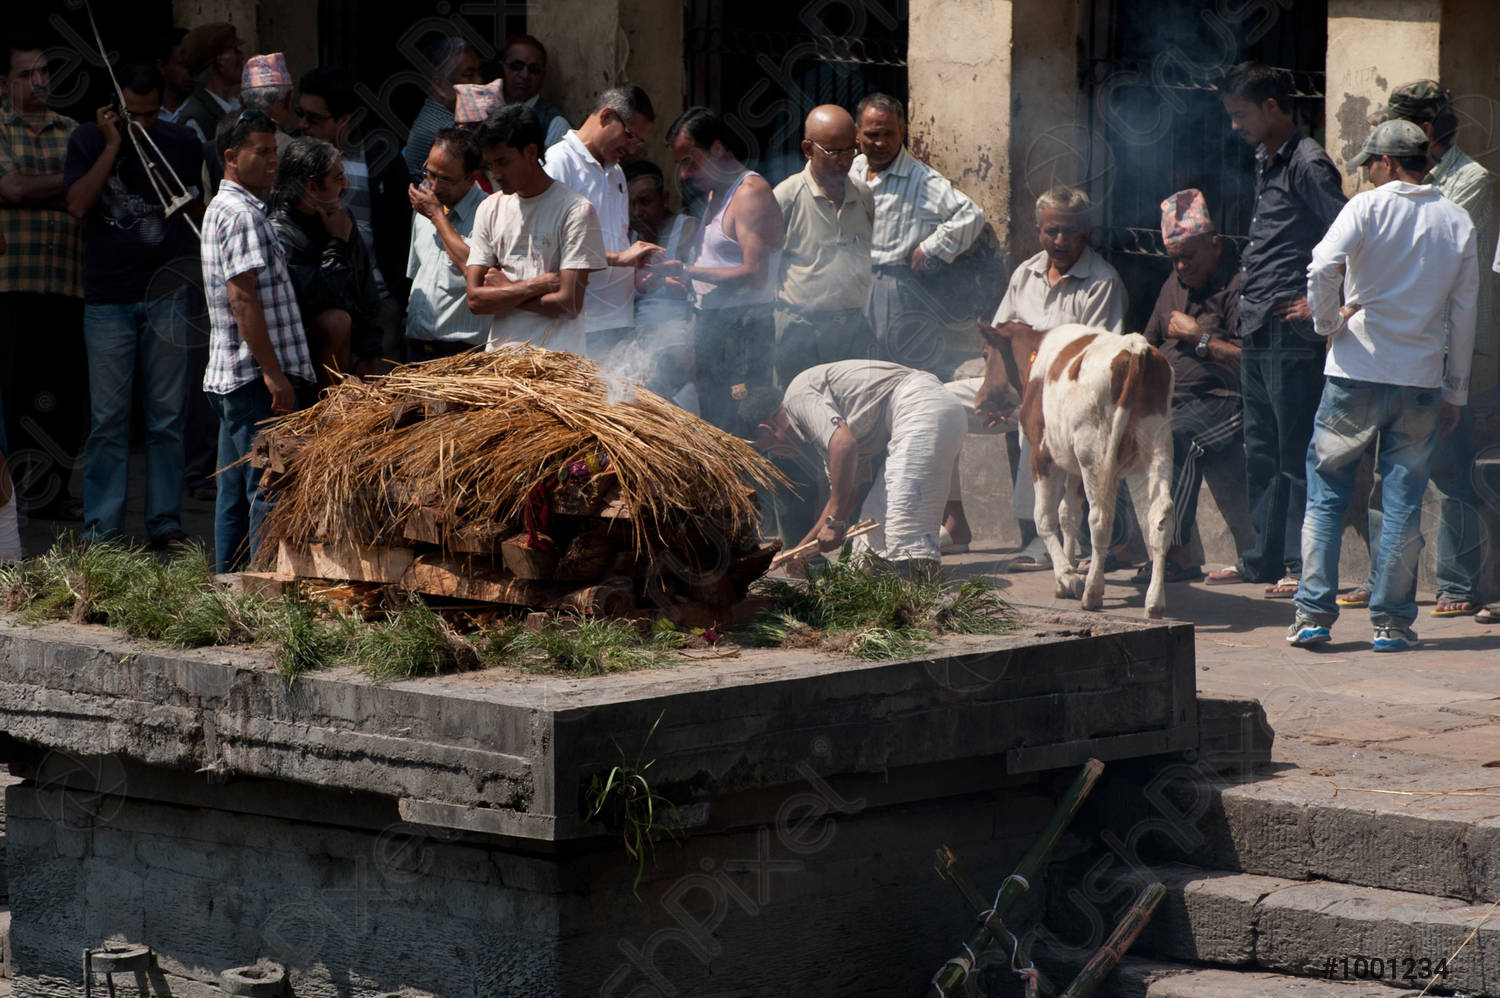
(519, 477)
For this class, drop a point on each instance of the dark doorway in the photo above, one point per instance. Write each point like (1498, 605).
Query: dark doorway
(1157, 125)
(80, 84)
(765, 65)
(384, 50)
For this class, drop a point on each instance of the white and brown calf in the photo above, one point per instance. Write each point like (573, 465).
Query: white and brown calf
(1097, 409)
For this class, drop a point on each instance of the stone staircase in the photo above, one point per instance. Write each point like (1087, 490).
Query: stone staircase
(1289, 880)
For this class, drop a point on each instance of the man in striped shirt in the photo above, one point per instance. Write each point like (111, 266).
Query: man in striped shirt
(921, 222)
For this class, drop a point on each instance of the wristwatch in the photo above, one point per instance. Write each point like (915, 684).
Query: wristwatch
(1202, 348)
(833, 524)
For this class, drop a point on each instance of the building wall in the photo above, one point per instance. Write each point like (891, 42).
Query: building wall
(1373, 46)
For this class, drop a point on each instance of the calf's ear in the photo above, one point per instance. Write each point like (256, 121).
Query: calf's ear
(998, 338)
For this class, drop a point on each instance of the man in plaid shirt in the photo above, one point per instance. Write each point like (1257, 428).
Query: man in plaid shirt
(258, 361)
(43, 373)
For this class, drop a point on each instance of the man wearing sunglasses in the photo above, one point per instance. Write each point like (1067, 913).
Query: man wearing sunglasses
(824, 279)
(588, 161)
(525, 64)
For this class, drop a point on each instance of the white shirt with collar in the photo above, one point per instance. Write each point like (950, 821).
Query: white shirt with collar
(1404, 254)
(1090, 293)
(915, 205)
(611, 294)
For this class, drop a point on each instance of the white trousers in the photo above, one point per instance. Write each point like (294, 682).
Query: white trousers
(1023, 496)
(927, 429)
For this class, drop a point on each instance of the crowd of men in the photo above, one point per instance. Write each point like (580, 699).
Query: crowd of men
(777, 313)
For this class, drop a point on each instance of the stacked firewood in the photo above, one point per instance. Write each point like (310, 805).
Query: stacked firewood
(520, 477)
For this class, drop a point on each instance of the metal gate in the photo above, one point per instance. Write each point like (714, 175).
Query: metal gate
(1156, 124)
(763, 66)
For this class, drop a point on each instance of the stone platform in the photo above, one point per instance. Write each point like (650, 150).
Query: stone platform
(431, 833)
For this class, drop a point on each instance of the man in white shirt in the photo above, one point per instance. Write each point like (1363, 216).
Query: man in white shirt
(1404, 256)
(588, 160)
(921, 222)
(534, 242)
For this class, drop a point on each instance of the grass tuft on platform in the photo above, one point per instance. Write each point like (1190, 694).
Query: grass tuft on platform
(861, 606)
(852, 606)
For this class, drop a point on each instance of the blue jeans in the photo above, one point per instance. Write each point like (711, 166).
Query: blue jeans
(1401, 422)
(1460, 539)
(128, 345)
(240, 506)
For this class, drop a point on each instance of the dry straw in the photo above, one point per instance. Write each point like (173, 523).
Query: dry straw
(472, 436)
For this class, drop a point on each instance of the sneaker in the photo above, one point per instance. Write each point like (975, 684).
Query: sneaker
(1305, 632)
(1394, 637)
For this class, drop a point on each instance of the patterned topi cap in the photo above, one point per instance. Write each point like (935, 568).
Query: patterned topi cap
(1185, 215)
(477, 100)
(265, 71)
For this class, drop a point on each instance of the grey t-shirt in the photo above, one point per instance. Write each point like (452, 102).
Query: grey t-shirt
(855, 393)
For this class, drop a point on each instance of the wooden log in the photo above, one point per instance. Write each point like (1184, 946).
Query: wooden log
(478, 538)
(588, 556)
(526, 562)
(613, 598)
(689, 615)
(424, 524)
(748, 567)
(342, 561)
(263, 584)
(481, 579)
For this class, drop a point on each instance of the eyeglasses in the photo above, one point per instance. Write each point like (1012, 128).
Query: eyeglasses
(438, 179)
(534, 68)
(312, 117)
(836, 153)
(634, 138)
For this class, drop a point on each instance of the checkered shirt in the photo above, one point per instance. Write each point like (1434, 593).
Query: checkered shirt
(44, 252)
(238, 238)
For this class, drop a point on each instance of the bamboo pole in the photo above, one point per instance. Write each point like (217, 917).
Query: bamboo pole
(952, 973)
(811, 547)
(1000, 936)
(1103, 961)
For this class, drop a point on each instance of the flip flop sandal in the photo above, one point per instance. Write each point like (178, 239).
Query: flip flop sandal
(1449, 607)
(1354, 599)
(1489, 615)
(1285, 589)
(1224, 577)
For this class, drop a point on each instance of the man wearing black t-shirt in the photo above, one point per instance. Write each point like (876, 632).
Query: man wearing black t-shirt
(135, 319)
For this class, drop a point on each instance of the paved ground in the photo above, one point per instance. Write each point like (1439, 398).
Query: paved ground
(1421, 721)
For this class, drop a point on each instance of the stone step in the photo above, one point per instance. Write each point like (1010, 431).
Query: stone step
(1306, 824)
(1309, 929)
(1243, 984)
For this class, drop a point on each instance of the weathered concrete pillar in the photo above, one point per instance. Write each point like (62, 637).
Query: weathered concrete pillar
(594, 44)
(1373, 45)
(1471, 73)
(988, 80)
(243, 14)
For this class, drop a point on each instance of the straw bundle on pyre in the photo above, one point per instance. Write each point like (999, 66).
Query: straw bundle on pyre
(517, 477)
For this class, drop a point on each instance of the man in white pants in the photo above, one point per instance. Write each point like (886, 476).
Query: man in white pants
(853, 412)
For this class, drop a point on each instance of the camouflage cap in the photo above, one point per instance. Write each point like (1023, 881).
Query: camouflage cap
(1420, 100)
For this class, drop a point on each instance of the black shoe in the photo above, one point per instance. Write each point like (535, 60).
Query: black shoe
(173, 539)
